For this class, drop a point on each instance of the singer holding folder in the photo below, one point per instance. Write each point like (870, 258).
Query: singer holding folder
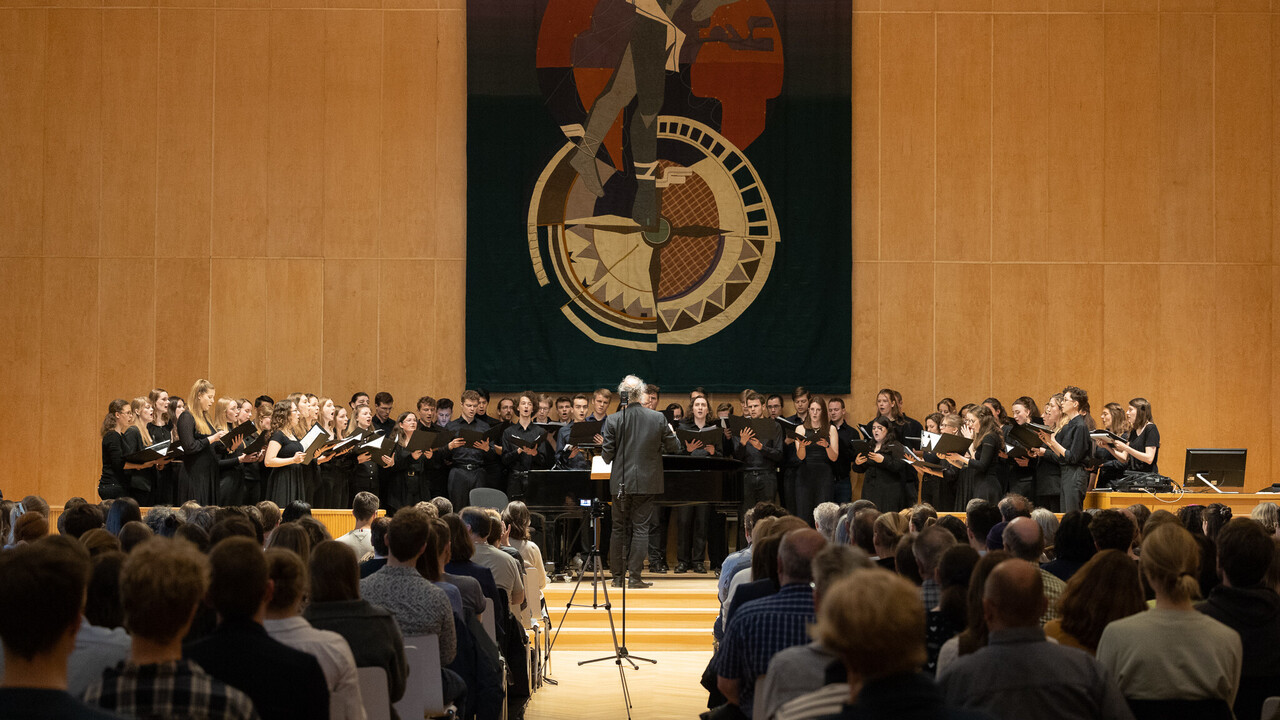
(198, 478)
(1071, 447)
(284, 456)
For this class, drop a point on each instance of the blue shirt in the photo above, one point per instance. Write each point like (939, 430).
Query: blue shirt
(757, 631)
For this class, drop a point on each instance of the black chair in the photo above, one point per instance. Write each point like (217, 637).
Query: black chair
(1209, 709)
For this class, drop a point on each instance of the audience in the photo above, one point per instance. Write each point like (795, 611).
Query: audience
(974, 635)
(1172, 652)
(980, 517)
(364, 507)
(1072, 545)
(928, 548)
(1113, 530)
(825, 517)
(1106, 589)
(281, 681)
(42, 587)
(123, 510)
(378, 539)
(1050, 681)
(1243, 603)
(162, 582)
(133, 534)
(520, 537)
(1048, 523)
(1022, 540)
(507, 572)
(949, 617)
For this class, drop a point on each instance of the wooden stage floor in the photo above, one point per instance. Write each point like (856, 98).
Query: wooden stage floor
(667, 690)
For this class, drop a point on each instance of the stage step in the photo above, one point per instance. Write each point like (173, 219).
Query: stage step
(675, 614)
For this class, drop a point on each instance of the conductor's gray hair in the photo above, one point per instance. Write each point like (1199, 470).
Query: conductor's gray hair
(631, 388)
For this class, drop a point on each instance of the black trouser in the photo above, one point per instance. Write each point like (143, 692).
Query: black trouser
(693, 522)
(758, 485)
(1075, 479)
(632, 518)
(790, 478)
(462, 480)
(658, 537)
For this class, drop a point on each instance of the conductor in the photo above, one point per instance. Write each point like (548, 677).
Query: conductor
(634, 439)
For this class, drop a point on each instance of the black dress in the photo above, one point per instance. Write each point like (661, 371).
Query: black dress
(1022, 480)
(817, 480)
(198, 478)
(162, 493)
(230, 476)
(111, 484)
(287, 482)
(141, 482)
(404, 481)
(1148, 438)
(886, 483)
(980, 478)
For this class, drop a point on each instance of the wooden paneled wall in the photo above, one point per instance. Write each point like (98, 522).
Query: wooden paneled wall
(267, 193)
(1053, 192)
(1045, 192)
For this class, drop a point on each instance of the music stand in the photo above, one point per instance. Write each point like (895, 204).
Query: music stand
(1216, 468)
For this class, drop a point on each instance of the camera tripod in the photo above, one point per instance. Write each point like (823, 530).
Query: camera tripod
(599, 587)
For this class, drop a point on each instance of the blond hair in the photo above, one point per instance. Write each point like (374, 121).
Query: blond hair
(203, 423)
(220, 412)
(137, 404)
(1171, 562)
(874, 620)
(161, 583)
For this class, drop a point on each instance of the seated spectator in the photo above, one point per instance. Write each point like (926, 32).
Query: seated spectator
(133, 534)
(1172, 652)
(80, 519)
(364, 508)
(1106, 589)
(378, 539)
(294, 511)
(875, 623)
(1243, 603)
(731, 563)
(42, 587)
(802, 669)
(956, 527)
(862, 533)
(1215, 517)
(123, 510)
(1050, 681)
(29, 527)
(951, 614)
(980, 516)
(371, 631)
(270, 516)
(507, 572)
(316, 531)
(444, 506)
(1014, 505)
(291, 536)
(1113, 530)
(764, 565)
(233, 526)
(281, 682)
(1049, 524)
(904, 558)
(193, 534)
(825, 517)
(98, 541)
(285, 624)
(928, 548)
(974, 635)
(1268, 514)
(1022, 540)
(162, 582)
(886, 530)
(520, 536)
(921, 517)
(461, 549)
(1072, 545)
(763, 627)
(419, 607)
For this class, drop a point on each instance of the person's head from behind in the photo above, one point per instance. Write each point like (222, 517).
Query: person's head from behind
(407, 537)
(980, 517)
(378, 535)
(1023, 539)
(1112, 530)
(767, 539)
(1171, 563)
(874, 620)
(102, 600)
(161, 585)
(335, 573)
(122, 510)
(234, 526)
(81, 519)
(294, 510)
(238, 583)
(443, 505)
(928, 548)
(477, 522)
(1014, 595)
(796, 553)
(42, 591)
(1105, 589)
(1245, 552)
(834, 563)
(98, 541)
(1073, 541)
(825, 517)
(289, 582)
(364, 507)
(1014, 505)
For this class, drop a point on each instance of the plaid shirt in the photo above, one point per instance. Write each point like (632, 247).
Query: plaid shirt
(174, 689)
(760, 629)
(1053, 587)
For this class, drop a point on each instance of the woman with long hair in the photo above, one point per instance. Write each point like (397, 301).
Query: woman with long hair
(1104, 590)
(886, 481)
(1172, 652)
(1071, 448)
(284, 454)
(979, 476)
(817, 481)
(335, 470)
(162, 428)
(113, 482)
(143, 480)
(364, 473)
(198, 479)
(949, 618)
(404, 481)
(1141, 446)
(693, 522)
(226, 416)
(517, 518)
(974, 635)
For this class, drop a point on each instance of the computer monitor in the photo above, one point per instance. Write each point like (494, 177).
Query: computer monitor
(1215, 467)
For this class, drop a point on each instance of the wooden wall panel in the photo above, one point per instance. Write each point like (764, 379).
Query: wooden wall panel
(1074, 316)
(1020, 131)
(23, 36)
(451, 122)
(182, 323)
(1075, 137)
(1131, 332)
(906, 308)
(72, 133)
(1242, 371)
(352, 133)
(964, 137)
(241, 325)
(865, 353)
(1131, 147)
(1242, 138)
(350, 326)
(1186, 137)
(1186, 311)
(127, 322)
(295, 294)
(185, 132)
(240, 145)
(866, 137)
(409, 175)
(1021, 326)
(21, 360)
(962, 298)
(295, 168)
(69, 342)
(907, 152)
(129, 74)
(448, 340)
(405, 333)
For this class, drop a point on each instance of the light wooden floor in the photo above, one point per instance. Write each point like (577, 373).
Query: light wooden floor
(667, 690)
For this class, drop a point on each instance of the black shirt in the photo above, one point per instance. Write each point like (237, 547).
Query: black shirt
(38, 703)
(513, 456)
(281, 681)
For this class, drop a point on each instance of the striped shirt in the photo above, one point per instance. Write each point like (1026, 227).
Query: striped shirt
(757, 631)
(174, 689)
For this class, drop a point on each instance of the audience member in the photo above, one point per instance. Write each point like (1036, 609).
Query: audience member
(1014, 505)
(1073, 545)
(951, 614)
(764, 571)
(974, 635)
(364, 508)
(825, 517)
(507, 572)
(1113, 530)
(1104, 590)
(133, 534)
(763, 627)
(281, 681)
(1020, 674)
(862, 532)
(1022, 540)
(520, 537)
(30, 527)
(123, 510)
(928, 548)
(378, 539)
(294, 511)
(371, 631)
(1048, 523)
(980, 517)
(98, 541)
(284, 623)
(162, 582)
(956, 527)
(81, 519)
(887, 530)
(291, 536)
(1268, 514)
(921, 517)
(444, 505)
(270, 516)
(1172, 652)
(461, 550)
(1243, 603)
(1215, 517)
(904, 559)
(42, 587)
(193, 534)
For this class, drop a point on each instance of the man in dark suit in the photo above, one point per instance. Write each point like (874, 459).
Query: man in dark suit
(634, 439)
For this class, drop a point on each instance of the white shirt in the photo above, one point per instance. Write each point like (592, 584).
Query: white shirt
(360, 540)
(535, 579)
(336, 660)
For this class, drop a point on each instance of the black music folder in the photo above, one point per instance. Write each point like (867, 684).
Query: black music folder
(495, 433)
(1038, 426)
(150, 453)
(913, 459)
(522, 443)
(336, 446)
(315, 439)
(1026, 437)
(766, 429)
(378, 447)
(811, 434)
(583, 434)
(951, 444)
(258, 443)
(1107, 435)
(1013, 452)
(421, 440)
(712, 435)
(552, 428)
(238, 432)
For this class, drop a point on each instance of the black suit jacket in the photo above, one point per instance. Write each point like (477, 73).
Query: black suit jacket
(281, 682)
(634, 440)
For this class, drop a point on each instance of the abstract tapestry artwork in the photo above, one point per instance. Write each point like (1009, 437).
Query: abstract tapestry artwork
(676, 173)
